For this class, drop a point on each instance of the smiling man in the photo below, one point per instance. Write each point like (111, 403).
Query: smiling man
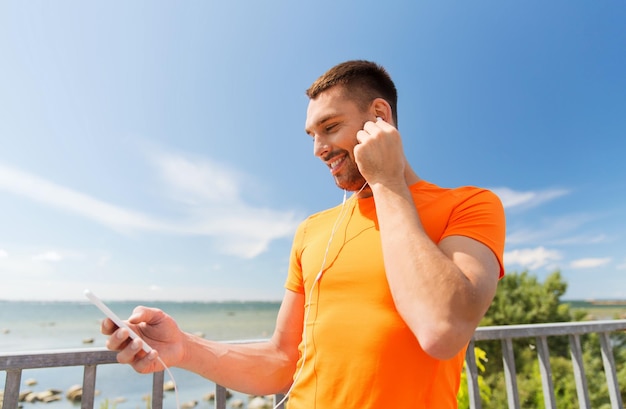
(383, 292)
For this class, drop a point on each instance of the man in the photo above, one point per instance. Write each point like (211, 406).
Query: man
(383, 292)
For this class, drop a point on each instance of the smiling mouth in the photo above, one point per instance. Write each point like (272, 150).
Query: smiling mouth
(335, 164)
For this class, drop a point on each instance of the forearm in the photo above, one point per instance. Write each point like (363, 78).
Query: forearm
(254, 368)
(440, 304)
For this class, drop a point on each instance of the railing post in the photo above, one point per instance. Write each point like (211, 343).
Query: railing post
(543, 354)
(158, 379)
(473, 391)
(12, 389)
(510, 375)
(279, 398)
(579, 372)
(609, 371)
(220, 397)
(89, 387)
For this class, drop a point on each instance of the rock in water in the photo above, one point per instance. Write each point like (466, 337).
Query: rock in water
(169, 386)
(236, 404)
(189, 405)
(74, 393)
(259, 403)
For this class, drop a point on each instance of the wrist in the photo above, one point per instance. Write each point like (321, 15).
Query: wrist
(389, 186)
(188, 346)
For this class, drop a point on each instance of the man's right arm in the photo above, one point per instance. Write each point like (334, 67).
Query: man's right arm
(255, 368)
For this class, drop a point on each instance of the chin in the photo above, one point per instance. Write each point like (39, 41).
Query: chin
(352, 185)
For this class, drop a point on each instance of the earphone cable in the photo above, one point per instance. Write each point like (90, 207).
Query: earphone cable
(343, 212)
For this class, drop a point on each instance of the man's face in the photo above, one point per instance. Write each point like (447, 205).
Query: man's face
(333, 122)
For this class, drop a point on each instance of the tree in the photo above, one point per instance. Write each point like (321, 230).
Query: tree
(483, 388)
(522, 299)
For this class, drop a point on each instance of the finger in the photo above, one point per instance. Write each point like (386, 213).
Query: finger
(145, 314)
(139, 314)
(131, 352)
(107, 326)
(118, 340)
(384, 125)
(371, 127)
(362, 136)
(141, 361)
(147, 363)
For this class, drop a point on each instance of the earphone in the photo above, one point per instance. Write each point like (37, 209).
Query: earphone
(338, 221)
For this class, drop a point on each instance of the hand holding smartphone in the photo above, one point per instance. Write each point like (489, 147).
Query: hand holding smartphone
(107, 311)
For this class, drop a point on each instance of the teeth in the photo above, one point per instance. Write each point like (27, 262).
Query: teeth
(334, 163)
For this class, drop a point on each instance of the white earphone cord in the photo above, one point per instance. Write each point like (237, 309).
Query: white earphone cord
(338, 221)
(173, 381)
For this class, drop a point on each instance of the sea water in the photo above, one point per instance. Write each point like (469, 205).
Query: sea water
(44, 326)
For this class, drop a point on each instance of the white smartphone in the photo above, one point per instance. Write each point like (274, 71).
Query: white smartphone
(107, 311)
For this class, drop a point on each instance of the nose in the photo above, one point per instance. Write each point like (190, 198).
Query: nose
(320, 146)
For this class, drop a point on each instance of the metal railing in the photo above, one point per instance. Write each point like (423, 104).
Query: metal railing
(507, 333)
(89, 358)
(14, 363)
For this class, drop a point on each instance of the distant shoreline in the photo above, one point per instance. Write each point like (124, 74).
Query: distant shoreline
(593, 301)
(606, 302)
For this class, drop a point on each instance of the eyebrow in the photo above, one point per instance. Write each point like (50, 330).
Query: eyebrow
(322, 120)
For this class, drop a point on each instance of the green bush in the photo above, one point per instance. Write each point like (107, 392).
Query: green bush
(522, 299)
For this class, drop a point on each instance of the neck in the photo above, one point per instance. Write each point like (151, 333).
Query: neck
(410, 176)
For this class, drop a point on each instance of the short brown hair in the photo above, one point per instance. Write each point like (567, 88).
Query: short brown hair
(362, 81)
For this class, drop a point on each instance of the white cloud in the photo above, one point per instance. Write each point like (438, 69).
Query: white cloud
(531, 258)
(590, 262)
(212, 205)
(48, 256)
(41, 190)
(552, 231)
(582, 239)
(103, 260)
(217, 209)
(23, 267)
(511, 198)
(200, 180)
(3, 253)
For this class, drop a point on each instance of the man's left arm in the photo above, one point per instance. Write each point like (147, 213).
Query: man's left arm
(441, 290)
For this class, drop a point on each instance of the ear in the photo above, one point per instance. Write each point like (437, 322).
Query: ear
(381, 108)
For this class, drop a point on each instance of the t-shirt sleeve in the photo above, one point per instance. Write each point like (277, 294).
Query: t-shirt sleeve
(295, 280)
(481, 217)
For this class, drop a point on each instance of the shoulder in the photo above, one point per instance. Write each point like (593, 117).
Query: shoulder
(317, 221)
(321, 217)
(426, 192)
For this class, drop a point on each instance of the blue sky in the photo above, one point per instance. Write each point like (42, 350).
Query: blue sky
(155, 150)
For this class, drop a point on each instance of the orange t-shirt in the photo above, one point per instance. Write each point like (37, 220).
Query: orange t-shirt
(356, 350)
